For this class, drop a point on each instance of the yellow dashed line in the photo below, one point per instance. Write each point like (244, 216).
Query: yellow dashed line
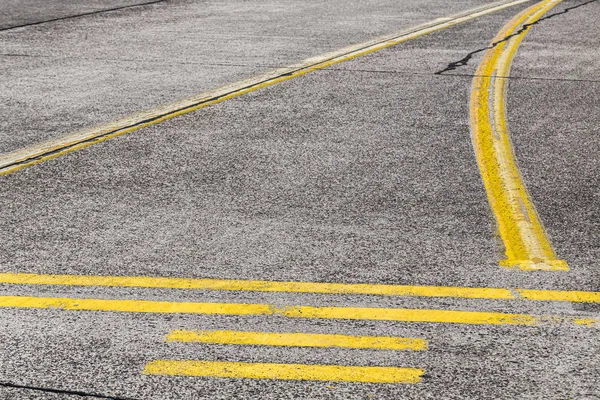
(527, 245)
(350, 313)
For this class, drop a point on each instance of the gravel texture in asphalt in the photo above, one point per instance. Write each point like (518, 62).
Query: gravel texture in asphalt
(359, 173)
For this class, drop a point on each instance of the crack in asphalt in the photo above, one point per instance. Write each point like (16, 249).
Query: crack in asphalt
(465, 60)
(60, 391)
(374, 71)
(81, 15)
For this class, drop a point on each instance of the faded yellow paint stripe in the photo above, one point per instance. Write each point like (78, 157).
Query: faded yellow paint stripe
(298, 372)
(559, 295)
(353, 313)
(22, 158)
(297, 339)
(300, 287)
(527, 244)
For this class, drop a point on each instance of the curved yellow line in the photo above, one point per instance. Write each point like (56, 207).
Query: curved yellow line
(527, 245)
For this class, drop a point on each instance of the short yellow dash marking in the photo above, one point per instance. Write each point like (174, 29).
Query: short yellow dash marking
(527, 245)
(298, 372)
(22, 158)
(356, 313)
(299, 287)
(297, 339)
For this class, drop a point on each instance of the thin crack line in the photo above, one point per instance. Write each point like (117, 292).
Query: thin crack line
(81, 15)
(465, 60)
(467, 75)
(60, 391)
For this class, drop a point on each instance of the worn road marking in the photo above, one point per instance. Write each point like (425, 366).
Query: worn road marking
(527, 245)
(22, 158)
(303, 372)
(301, 287)
(354, 313)
(297, 339)
(574, 296)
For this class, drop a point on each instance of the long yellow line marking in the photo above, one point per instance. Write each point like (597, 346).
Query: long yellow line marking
(354, 313)
(526, 242)
(300, 287)
(22, 158)
(223, 369)
(297, 339)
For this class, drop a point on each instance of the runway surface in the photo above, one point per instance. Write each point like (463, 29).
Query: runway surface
(304, 200)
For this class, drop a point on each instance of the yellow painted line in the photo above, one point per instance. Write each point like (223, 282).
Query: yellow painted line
(527, 244)
(259, 286)
(298, 372)
(297, 340)
(300, 287)
(352, 313)
(16, 160)
(560, 295)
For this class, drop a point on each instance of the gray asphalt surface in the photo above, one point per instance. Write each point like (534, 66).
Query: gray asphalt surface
(360, 173)
(75, 73)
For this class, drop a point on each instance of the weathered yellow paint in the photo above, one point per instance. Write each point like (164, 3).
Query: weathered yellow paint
(414, 315)
(23, 158)
(353, 313)
(303, 372)
(559, 295)
(259, 286)
(527, 245)
(297, 339)
(591, 322)
(300, 287)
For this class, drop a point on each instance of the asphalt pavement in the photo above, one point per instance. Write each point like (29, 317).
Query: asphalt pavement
(78, 72)
(359, 173)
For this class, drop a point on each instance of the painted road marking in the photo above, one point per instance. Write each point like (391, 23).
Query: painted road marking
(224, 369)
(353, 313)
(301, 287)
(527, 244)
(297, 339)
(13, 161)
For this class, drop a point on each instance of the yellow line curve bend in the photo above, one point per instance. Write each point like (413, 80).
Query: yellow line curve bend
(526, 242)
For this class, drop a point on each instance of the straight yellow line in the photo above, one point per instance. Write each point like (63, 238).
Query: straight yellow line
(259, 286)
(297, 340)
(559, 295)
(527, 244)
(300, 287)
(301, 372)
(352, 313)
(16, 160)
